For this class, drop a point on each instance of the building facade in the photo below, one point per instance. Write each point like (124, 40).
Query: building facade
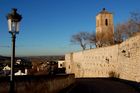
(104, 28)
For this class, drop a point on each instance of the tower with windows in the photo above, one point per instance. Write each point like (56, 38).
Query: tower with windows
(104, 28)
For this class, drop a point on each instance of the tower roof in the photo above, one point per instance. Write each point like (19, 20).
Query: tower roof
(104, 12)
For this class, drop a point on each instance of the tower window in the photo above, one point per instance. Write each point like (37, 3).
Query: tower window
(106, 22)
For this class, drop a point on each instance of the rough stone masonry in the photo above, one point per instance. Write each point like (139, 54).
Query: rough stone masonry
(122, 59)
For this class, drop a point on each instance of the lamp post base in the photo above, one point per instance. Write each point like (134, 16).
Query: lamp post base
(12, 87)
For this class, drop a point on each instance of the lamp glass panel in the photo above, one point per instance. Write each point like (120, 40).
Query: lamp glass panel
(9, 25)
(15, 26)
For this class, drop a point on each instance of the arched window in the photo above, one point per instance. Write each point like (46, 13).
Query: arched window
(106, 22)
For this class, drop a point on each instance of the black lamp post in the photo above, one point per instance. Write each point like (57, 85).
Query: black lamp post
(13, 24)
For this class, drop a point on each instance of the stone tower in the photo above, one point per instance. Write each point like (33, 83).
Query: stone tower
(104, 28)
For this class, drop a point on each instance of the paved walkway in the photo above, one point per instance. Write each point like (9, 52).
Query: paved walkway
(99, 86)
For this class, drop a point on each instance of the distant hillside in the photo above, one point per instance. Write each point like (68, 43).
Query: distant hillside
(5, 60)
(47, 58)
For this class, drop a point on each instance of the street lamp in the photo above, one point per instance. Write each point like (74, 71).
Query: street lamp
(13, 25)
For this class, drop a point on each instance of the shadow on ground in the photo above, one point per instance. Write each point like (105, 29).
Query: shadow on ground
(102, 85)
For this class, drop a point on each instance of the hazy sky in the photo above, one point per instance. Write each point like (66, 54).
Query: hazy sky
(47, 25)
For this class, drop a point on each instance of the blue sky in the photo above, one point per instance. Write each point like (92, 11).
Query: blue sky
(47, 25)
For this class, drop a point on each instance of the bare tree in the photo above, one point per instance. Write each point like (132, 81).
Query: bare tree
(135, 16)
(119, 33)
(92, 40)
(132, 26)
(124, 30)
(105, 38)
(127, 29)
(81, 38)
(99, 39)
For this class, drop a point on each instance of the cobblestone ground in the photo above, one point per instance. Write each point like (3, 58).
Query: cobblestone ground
(99, 86)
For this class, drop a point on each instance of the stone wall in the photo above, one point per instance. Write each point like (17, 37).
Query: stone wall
(37, 84)
(129, 59)
(122, 59)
